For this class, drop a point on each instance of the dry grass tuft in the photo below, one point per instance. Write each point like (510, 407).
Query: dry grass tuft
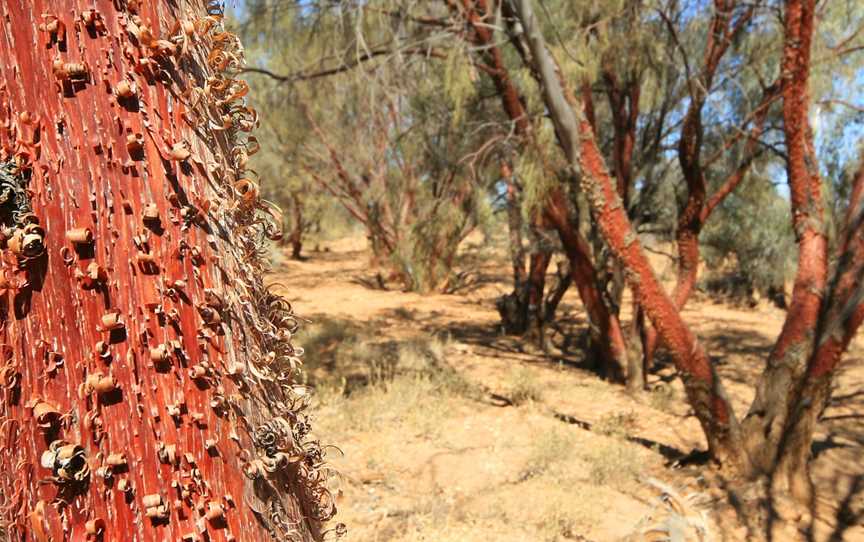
(524, 388)
(547, 450)
(560, 523)
(405, 386)
(663, 398)
(614, 463)
(618, 424)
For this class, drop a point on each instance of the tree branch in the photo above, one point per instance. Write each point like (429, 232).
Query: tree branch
(365, 57)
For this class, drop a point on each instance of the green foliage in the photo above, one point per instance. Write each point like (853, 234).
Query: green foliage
(750, 233)
(459, 77)
(398, 144)
(407, 132)
(536, 183)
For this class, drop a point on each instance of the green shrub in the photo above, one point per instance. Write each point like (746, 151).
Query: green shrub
(748, 243)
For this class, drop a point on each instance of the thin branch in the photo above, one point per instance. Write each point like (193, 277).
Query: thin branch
(858, 108)
(365, 57)
(428, 21)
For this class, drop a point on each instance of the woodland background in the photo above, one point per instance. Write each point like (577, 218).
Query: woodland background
(470, 191)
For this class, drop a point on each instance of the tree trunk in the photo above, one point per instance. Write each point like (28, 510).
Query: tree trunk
(147, 388)
(605, 328)
(514, 227)
(296, 235)
(688, 266)
(556, 293)
(704, 390)
(639, 333)
(514, 307)
(522, 310)
(536, 285)
(766, 421)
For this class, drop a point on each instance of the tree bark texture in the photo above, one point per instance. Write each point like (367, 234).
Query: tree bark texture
(767, 418)
(146, 379)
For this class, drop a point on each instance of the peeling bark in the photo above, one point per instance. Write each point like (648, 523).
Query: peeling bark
(766, 420)
(146, 378)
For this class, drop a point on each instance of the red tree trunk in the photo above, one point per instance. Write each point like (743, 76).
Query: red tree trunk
(607, 331)
(766, 420)
(146, 372)
(704, 390)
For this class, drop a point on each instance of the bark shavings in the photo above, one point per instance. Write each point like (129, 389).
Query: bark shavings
(157, 363)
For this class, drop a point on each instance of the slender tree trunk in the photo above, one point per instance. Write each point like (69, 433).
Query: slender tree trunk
(514, 226)
(522, 310)
(146, 370)
(514, 308)
(605, 328)
(296, 235)
(606, 331)
(536, 285)
(641, 328)
(556, 294)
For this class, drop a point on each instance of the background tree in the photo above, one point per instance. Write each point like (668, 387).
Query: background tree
(776, 438)
(750, 236)
(667, 116)
(419, 172)
(307, 210)
(638, 105)
(148, 385)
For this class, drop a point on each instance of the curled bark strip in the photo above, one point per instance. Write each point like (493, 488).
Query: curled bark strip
(171, 334)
